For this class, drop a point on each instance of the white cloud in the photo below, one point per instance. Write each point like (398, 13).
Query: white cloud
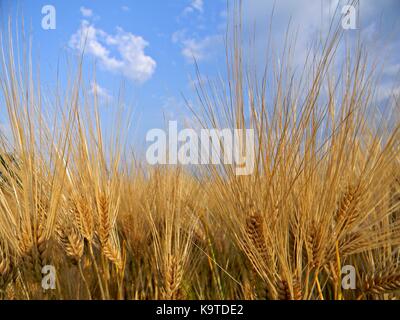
(392, 69)
(100, 92)
(199, 49)
(132, 62)
(195, 48)
(179, 35)
(173, 107)
(387, 91)
(195, 5)
(198, 5)
(125, 8)
(86, 12)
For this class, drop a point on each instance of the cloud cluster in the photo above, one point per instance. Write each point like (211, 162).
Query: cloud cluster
(86, 12)
(100, 92)
(130, 60)
(195, 48)
(308, 22)
(195, 5)
(199, 49)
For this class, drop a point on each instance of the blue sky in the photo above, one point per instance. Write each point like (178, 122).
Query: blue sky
(150, 45)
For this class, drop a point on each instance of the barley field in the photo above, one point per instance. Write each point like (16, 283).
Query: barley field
(318, 218)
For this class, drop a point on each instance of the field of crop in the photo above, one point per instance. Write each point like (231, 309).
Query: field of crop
(319, 217)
